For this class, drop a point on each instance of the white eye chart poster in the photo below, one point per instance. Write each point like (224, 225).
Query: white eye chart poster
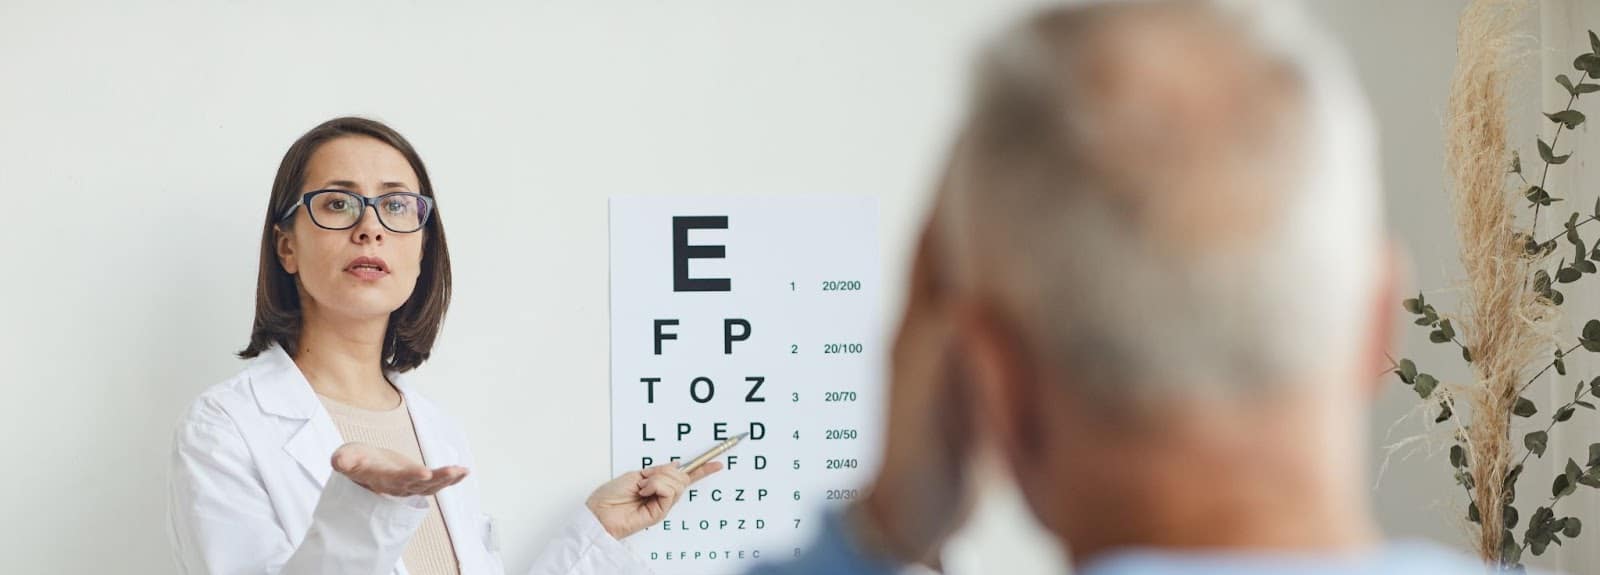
(754, 315)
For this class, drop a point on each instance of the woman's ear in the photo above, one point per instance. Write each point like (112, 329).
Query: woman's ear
(284, 246)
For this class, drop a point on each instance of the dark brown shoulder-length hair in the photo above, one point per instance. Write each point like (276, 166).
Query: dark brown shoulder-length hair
(409, 338)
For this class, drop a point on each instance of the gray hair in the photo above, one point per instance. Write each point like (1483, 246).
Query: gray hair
(1171, 197)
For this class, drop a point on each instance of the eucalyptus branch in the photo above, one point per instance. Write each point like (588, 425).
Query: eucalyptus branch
(1547, 368)
(1558, 236)
(1533, 230)
(1558, 418)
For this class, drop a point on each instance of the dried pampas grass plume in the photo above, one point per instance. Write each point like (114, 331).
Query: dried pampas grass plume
(1505, 323)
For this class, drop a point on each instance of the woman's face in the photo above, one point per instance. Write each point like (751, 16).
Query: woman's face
(324, 262)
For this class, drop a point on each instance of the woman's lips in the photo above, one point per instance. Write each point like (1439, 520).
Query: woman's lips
(367, 273)
(368, 268)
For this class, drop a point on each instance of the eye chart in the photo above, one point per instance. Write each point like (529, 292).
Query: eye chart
(750, 315)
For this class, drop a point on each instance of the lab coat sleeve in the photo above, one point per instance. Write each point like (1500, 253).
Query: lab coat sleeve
(223, 521)
(584, 548)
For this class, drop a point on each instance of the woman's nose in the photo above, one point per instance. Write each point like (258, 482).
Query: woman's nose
(369, 228)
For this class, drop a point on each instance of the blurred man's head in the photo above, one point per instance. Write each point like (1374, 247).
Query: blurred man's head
(1163, 227)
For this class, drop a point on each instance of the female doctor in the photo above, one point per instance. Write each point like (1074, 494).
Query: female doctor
(321, 456)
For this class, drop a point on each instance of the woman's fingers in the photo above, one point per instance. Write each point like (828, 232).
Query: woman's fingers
(666, 483)
(439, 479)
(661, 487)
(704, 470)
(445, 477)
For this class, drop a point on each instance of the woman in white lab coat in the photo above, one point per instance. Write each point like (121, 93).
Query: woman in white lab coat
(321, 456)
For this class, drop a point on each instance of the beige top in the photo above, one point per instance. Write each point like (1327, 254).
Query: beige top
(429, 552)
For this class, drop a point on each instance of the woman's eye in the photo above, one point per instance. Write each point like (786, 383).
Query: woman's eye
(396, 206)
(337, 205)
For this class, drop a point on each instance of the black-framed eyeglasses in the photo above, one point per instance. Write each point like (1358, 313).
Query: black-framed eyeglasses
(331, 209)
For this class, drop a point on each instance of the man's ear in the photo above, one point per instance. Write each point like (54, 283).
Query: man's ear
(997, 369)
(1380, 328)
(284, 246)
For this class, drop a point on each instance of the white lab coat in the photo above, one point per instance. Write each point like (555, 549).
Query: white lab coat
(253, 491)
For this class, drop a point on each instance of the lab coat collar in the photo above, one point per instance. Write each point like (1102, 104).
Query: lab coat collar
(282, 390)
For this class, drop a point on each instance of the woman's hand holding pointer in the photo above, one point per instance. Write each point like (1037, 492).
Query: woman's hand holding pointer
(636, 499)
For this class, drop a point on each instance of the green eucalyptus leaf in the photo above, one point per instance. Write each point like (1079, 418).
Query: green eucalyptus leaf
(1569, 118)
(1568, 275)
(1407, 371)
(1510, 551)
(1573, 527)
(1449, 331)
(1444, 413)
(1412, 305)
(1508, 517)
(1511, 481)
(1438, 336)
(1425, 385)
(1458, 456)
(1561, 366)
(1565, 412)
(1549, 155)
(1541, 520)
(1524, 407)
(1536, 442)
(1585, 62)
(1566, 82)
(1538, 544)
(1466, 354)
(1534, 193)
(1590, 478)
(1562, 486)
(1594, 42)
(1594, 454)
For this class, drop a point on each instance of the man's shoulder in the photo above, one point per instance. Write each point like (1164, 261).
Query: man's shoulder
(1394, 558)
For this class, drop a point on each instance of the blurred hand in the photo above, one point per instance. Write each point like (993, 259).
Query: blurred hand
(636, 499)
(921, 494)
(391, 473)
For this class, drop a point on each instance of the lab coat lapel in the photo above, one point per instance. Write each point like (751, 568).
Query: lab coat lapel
(281, 390)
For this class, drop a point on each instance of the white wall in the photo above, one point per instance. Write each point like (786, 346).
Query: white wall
(138, 142)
